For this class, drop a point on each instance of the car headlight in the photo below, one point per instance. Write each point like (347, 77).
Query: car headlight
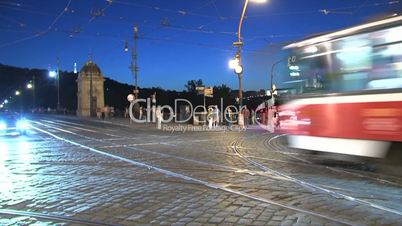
(22, 124)
(3, 126)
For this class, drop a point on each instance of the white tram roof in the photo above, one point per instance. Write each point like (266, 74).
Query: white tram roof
(344, 32)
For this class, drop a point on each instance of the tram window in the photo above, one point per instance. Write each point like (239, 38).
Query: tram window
(354, 81)
(354, 63)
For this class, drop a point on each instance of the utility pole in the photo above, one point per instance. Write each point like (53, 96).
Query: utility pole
(58, 84)
(240, 74)
(33, 92)
(134, 65)
(272, 71)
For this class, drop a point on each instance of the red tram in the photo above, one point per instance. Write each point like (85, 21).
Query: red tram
(347, 90)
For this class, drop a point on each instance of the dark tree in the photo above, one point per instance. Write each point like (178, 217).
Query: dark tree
(192, 84)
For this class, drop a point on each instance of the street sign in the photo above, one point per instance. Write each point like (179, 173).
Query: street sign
(130, 97)
(200, 89)
(209, 91)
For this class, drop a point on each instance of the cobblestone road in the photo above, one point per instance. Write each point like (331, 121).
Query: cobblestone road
(70, 171)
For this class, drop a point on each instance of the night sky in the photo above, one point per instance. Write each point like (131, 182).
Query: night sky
(179, 40)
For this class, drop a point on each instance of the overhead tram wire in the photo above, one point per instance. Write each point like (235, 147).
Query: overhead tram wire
(330, 10)
(169, 26)
(10, 3)
(161, 26)
(219, 16)
(143, 37)
(180, 28)
(41, 32)
(213, 3)
(157, 8)
(12, 20)
(102, 11)
(360, 6)
(27, 10)
(161, 9)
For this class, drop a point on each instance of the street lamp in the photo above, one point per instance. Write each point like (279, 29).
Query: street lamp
(238, 67)
(56, 74)
(52, 74)
(31, 86)
(17, 93)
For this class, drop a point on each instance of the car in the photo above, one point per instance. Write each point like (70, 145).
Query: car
(13, 123)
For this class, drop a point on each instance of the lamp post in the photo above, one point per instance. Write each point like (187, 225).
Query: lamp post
(238, 67)
(58, 84)
(56, 74)
(134, 66)
(272, 71)
(31, 85)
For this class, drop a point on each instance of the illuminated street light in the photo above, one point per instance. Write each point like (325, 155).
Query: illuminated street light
(17, 93)
(233, 63)
(56, 74)
(29, 86)
(6, 101)
(1, 105)
(126, 47)
(52, 74)
(238, 69)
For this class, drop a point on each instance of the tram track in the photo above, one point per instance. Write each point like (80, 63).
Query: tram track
(301, 160)
(54, 217)
(211, 166)
(269, 144)
(212, 185)
(311, 186)
(219, 183)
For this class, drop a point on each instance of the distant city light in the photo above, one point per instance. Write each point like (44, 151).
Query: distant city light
(1, 105)
(52, 74)
(29, 86)
(6, 101)
(17, 93)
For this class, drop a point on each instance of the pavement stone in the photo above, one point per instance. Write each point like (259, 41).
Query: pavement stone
(44, 175)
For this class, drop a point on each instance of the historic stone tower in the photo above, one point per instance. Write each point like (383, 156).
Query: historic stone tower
(90, 81)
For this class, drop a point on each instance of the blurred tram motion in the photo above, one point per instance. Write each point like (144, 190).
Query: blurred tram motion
(347, 90)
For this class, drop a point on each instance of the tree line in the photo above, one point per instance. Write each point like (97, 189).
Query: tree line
(15, 78)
